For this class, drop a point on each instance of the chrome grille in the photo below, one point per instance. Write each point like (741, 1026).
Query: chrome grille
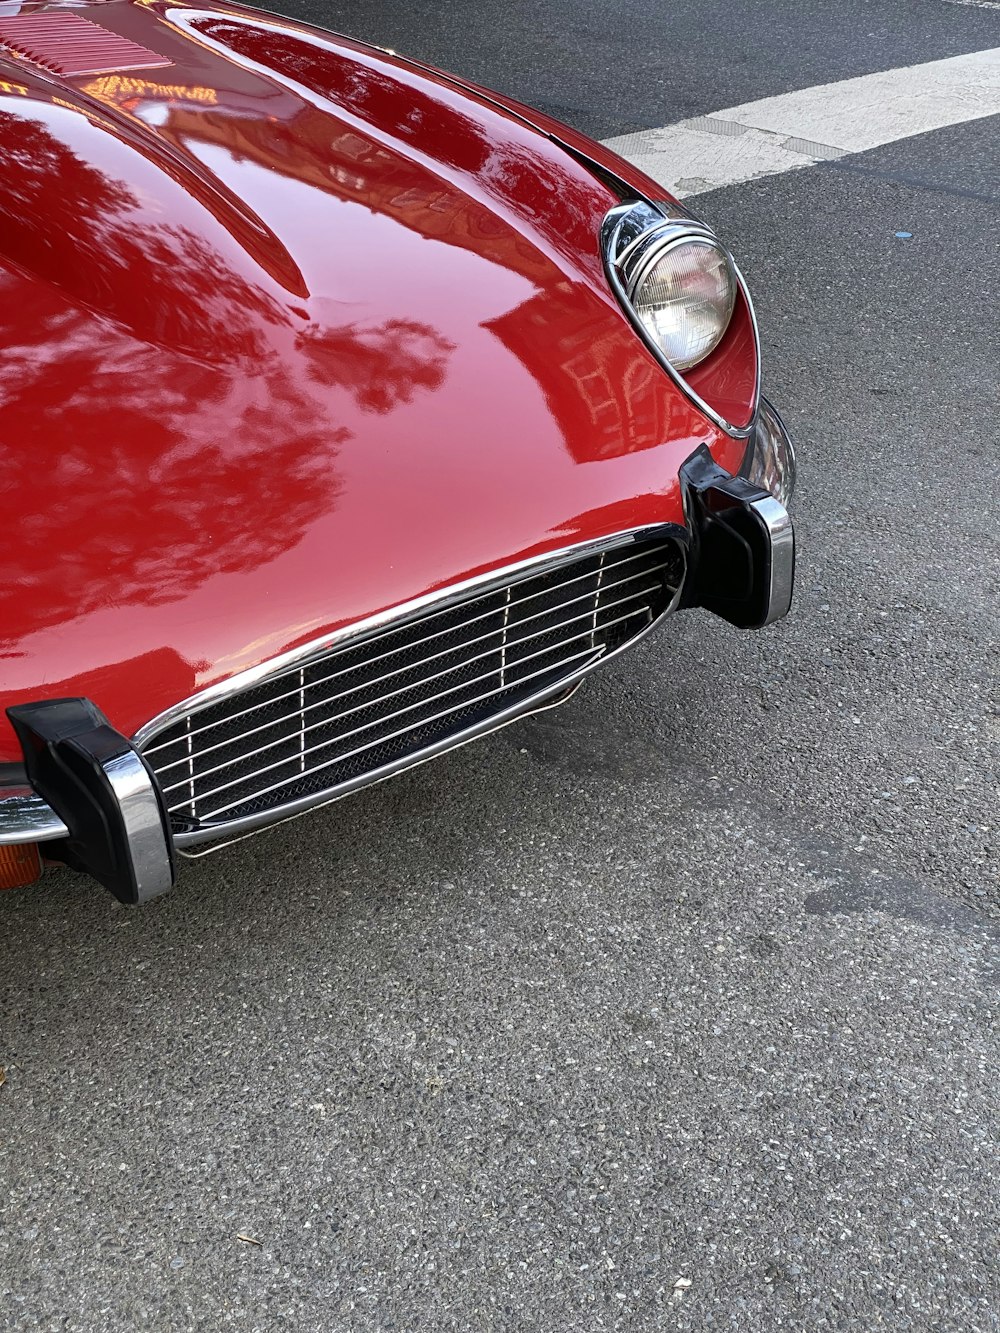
(371, 705)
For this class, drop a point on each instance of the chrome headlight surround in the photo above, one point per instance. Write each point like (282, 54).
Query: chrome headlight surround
(634, 236)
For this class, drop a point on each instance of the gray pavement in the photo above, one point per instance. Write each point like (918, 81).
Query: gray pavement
(609, 68)
(670, 1009)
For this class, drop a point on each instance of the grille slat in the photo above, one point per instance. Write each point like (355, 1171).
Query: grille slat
(368, 707)
(399, 712)
(512, 606)
(506, 645)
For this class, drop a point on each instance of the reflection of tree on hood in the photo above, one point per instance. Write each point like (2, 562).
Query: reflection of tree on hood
(135, 473)
(121, 488)
(89, 235)
(382, 366)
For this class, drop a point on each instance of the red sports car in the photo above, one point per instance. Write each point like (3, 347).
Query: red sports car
(349, 412)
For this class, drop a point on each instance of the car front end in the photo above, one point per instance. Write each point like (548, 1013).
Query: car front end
(379, 416)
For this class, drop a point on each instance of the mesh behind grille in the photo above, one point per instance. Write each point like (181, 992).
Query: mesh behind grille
(385, 699)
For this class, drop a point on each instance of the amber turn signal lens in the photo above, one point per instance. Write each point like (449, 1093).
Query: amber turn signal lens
(20, 863)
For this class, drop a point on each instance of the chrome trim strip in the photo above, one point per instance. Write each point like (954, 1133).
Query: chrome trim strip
(25, 817)
(549, 697)
(503, 635)
(778, 523)
(145, 834)
(440, 599)
(673, 227)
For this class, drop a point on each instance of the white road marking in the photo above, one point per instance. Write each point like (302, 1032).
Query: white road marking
(799, 129)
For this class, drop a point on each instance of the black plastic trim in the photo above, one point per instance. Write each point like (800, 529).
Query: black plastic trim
(743, 545)
(103, 791)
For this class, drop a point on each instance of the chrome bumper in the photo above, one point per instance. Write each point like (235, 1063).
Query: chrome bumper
(25, 817)
(769, 461)
(742, 556)
(101, 802)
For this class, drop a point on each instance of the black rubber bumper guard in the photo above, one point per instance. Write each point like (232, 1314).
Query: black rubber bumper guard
(100, 787)
(741, 563)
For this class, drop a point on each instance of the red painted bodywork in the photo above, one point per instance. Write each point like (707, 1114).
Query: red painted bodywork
(293, 331)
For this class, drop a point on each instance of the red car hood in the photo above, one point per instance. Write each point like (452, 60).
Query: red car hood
(293, 332)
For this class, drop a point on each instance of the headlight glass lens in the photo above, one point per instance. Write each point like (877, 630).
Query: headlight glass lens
(685, 299)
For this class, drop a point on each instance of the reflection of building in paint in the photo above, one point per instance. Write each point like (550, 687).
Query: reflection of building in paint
(598, 413)
(128, 90)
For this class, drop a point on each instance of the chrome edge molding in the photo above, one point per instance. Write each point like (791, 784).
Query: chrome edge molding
(667, 222)
(25, 817)
(145, 834)
(362, 629)
(778, 523)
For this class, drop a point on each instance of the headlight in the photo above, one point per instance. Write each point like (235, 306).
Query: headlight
(675, 277)
(683, 294)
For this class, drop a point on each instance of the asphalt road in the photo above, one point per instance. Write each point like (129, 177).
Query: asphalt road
(671, 1009)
